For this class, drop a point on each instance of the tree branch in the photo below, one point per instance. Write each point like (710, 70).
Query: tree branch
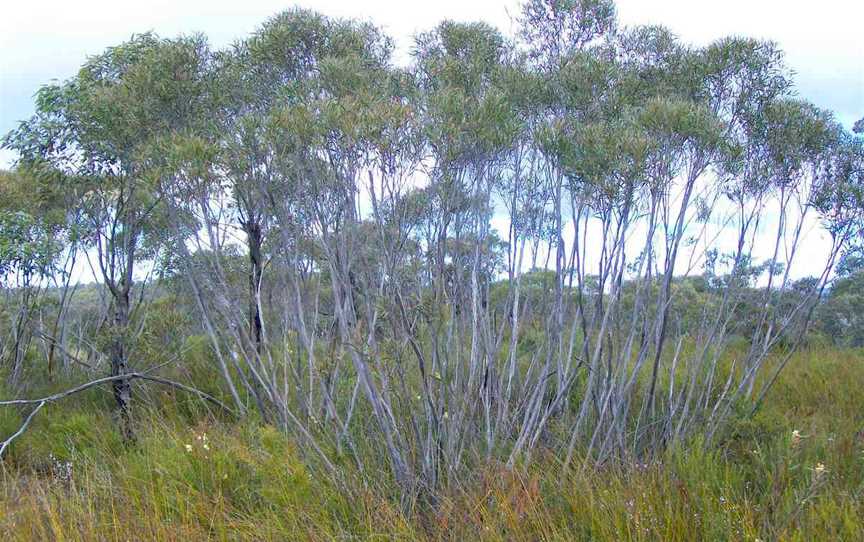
(5, 444)
(127, 376)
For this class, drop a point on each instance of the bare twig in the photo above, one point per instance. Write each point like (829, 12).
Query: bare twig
(5, 444)
(127, 376)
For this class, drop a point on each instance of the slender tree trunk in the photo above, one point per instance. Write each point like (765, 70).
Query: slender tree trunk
(120, 360)
(254, 239)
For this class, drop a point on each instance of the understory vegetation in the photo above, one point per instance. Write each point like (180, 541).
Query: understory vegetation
(582, 282)
(795, 471)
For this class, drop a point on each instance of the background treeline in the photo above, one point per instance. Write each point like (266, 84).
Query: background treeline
(301, 230)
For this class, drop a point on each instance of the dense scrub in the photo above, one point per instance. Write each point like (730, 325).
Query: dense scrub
(565, 283)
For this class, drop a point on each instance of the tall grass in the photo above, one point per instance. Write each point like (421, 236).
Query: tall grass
(793, 471)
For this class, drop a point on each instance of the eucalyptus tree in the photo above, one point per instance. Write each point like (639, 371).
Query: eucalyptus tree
(225, 173)
(362, 160)
(96, 130)
(740, 142)
(256, 79)
(817, 176)
(732, 80)
(469, 127)
(639, 129)
(800, 141)
(306, 110)
(563, 41)
(182, 159)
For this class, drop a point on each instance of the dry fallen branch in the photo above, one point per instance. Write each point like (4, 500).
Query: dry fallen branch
(127, 376)
(87, 385)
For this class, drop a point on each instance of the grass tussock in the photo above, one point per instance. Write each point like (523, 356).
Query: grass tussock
(794, 471)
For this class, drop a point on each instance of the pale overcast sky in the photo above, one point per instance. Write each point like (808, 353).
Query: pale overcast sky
(41, 40)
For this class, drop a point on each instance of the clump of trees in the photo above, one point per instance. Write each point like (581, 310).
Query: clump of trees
(327, 216)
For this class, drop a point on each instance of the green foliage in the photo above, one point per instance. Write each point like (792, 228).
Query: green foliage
(460, 69)
(24, 247)
(321, 229)
(33, 225)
